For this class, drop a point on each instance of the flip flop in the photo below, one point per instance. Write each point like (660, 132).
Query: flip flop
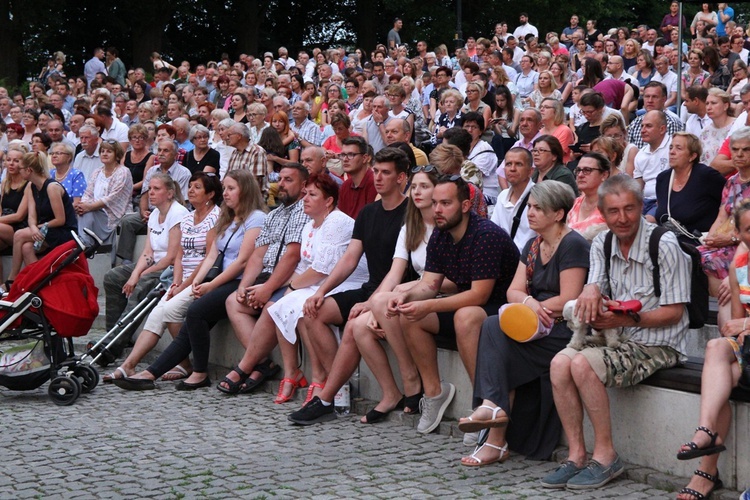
(111, 377)
(176, 373)
(135, 384)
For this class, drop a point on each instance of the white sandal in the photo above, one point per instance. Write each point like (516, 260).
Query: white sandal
(110, 377)
(479, 463)
(468, 424)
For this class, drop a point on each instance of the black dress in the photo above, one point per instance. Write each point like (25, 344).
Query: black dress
(504, 365)
(137, 170)
(55, 235)
(10, 203)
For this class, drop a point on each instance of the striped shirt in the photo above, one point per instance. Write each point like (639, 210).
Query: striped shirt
(632, 278)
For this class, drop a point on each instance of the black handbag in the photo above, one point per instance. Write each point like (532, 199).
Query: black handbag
(218, 265)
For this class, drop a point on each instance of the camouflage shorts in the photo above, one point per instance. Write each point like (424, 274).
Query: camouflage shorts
(627, 365)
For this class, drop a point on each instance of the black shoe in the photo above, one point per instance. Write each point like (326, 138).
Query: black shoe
(312, 413)
(187, 386)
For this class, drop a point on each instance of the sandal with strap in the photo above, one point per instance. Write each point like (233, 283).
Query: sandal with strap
(266, 370)
(504, 454)
(411, 402)
(717, 485)
(311, 390)
(469, 424)
(694, 452)
(296, 383)
(111, 377)
(233, 387)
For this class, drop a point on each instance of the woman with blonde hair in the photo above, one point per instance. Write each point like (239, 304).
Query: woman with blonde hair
(475, 91)
(546, 88)
(51, 217)
(13, 197)
(719, 109)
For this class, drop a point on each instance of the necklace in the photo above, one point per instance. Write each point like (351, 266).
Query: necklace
(58, 178)
(549, 249)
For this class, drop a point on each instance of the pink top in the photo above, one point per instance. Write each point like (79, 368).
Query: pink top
(588, 227)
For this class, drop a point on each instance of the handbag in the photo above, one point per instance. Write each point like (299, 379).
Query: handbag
(218, 265)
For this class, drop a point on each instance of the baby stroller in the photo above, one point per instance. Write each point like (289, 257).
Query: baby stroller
(50, 302)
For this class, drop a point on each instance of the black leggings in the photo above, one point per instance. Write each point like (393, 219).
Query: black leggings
(201, 317)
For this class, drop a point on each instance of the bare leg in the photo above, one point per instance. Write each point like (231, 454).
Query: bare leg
(495, 437)
(21, 239)
(319, 374)
(420, 339)
(344, 363)
(319, 335)
(596, 401)
(569, 407)
(468, 324)
(144, 343)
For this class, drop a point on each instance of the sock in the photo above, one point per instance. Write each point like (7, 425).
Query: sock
(325, 403)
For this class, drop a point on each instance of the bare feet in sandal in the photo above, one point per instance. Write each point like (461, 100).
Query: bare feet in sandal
(118, 373)
(176, 373)
(486, 454)
(484, 417)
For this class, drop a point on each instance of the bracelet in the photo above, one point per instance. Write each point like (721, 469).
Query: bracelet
(527, 298)
(291, 287)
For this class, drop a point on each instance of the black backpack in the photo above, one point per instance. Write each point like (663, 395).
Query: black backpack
(698, 305)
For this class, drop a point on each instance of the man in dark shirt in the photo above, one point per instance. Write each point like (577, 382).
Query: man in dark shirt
(481, 260)
(359, 188)
(375, 234)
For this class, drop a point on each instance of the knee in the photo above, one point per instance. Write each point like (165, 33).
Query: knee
(580, 368)
(559, 369)
(716, 349)
(468, 321)
(110, 279)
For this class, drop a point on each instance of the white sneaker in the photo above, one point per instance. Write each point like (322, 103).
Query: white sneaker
(471, 438)
(433, 408)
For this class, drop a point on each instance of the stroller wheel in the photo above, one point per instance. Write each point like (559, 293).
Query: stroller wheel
(88, 377)
(64, 391)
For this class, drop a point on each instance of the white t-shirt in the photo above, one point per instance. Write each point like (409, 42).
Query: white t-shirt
(649, 164)
(159, 231)
(419, 255)
(505, 211)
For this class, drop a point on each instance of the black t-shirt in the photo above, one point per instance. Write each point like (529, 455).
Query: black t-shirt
(697, 204)
(484, 252)
(210, 159)
(377, 229)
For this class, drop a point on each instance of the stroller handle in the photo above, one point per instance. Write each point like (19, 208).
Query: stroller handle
(93, 248)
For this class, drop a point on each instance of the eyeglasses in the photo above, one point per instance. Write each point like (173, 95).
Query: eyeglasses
(394, 96)
(349, 156)
(546, 106)
(537, 151)
(585, 170)
(256, 114)
(55, 153)
(424, 168)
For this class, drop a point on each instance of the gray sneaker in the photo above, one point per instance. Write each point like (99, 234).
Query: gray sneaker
(471, 438)
(560, 476)
(596, 475)
(433, 408)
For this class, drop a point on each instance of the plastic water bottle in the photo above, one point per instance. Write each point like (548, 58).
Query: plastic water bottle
(342, 401)
(38, 244)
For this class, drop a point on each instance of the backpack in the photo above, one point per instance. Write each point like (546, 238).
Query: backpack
(698, 305)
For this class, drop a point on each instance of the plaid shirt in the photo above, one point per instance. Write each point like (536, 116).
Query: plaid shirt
(308, 131)
(284, 224)
(674, 125)
(252, 158)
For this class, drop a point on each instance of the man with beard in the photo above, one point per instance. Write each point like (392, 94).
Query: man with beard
(481, 260)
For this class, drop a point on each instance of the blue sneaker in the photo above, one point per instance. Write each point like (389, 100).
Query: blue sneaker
(559, 477)
(595, 475)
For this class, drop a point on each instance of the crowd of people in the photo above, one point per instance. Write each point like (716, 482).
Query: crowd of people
(346, 199)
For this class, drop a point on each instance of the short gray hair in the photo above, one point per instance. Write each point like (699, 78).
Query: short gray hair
(552, 196)
(198, 129)
(181, 123)
(619, 184)
(91, 130)
(241, 129)
(741, 134)
(226, 123)
(66, 146)
(282, 99)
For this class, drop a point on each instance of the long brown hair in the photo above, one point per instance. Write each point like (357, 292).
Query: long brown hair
(250, 200)
(415, 226)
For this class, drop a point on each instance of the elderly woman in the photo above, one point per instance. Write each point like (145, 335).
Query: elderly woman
(224, 149)
(107, 195)
(719, 109)
(202, 158)
(451, 115)
(126, 285)
(548, 160)
(72, 179)
(689, 193)
(324, 241)
(553, 116)
(584, 216)
(205, 194)
(256, 114)
(512, 378)
(724, 369)
(483, 156)
(139, 159)
(51, 216)
(239, 224)
(30, 124)
(721, 242)
(475, 91)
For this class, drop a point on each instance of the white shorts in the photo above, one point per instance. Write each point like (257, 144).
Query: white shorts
(169, 311)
